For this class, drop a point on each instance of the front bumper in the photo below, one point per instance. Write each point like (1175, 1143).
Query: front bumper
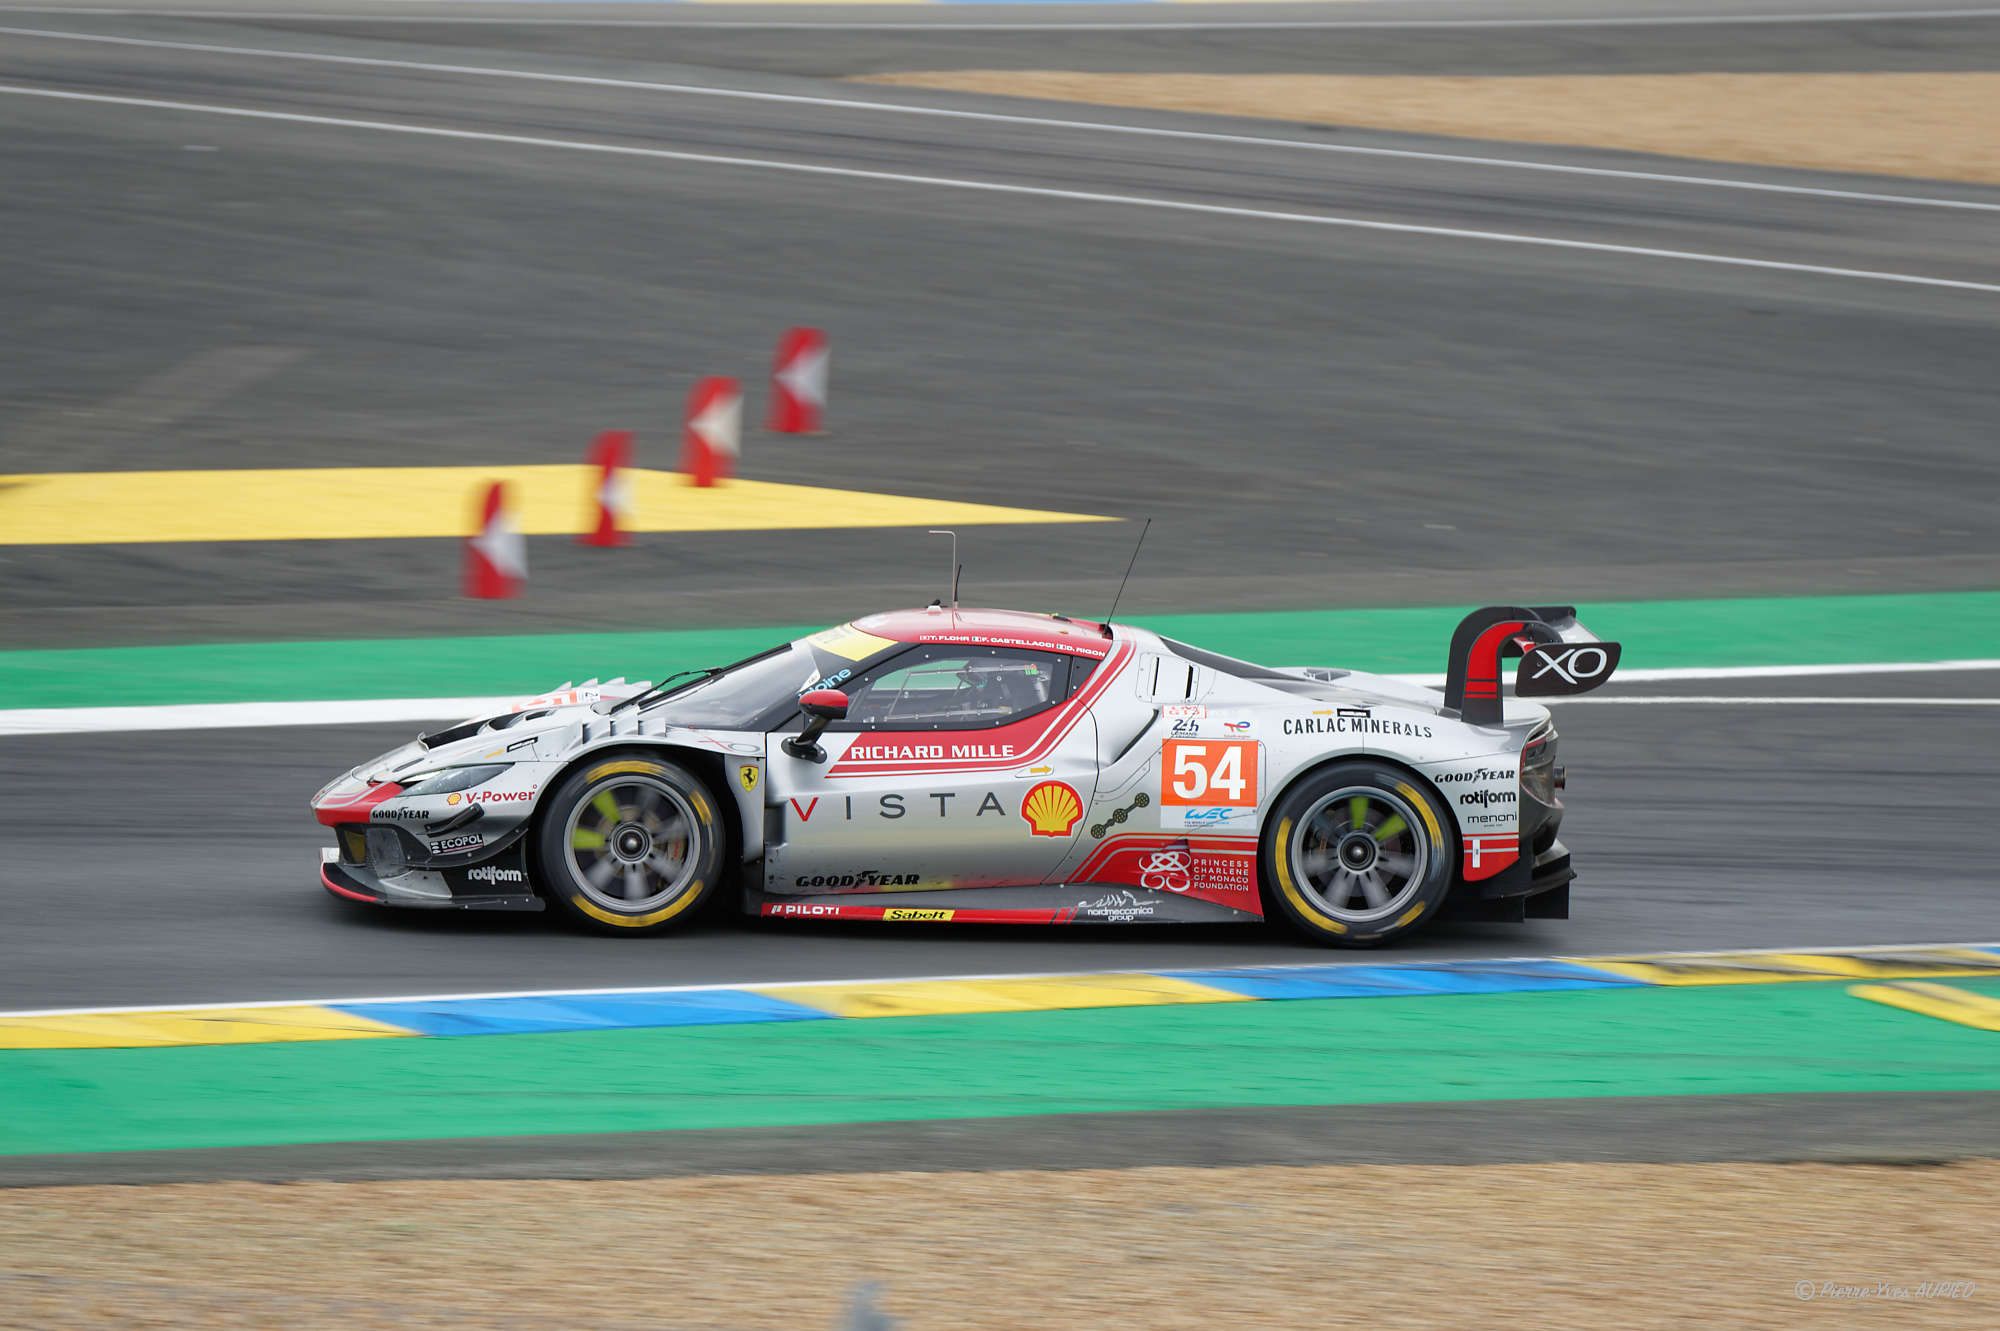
(499, 884)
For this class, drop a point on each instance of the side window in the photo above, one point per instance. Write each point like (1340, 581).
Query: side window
(956, 688)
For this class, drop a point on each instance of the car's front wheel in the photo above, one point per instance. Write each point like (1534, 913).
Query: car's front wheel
(1357, 854)
(630, 844)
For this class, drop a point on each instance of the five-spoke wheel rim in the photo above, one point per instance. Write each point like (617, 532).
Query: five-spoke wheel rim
(632, 844)
(1358, 853)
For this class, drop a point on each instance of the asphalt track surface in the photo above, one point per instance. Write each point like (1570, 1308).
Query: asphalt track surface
(180, 867)
(1314, 415)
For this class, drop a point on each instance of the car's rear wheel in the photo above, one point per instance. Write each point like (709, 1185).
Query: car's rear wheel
(1357, 854)
(631, 844)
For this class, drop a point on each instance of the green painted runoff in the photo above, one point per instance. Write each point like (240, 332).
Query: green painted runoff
(1827, 630)
(1747, 1039)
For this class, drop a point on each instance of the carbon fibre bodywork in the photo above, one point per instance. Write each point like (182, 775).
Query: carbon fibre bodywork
(1131, 781)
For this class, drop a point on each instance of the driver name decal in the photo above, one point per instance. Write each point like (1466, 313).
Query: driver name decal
(879, 751)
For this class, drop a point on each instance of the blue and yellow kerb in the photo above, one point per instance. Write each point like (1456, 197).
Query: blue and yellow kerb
(1900, 977)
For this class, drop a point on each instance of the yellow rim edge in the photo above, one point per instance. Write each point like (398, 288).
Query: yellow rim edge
(1423, 807)
(666, 912)
(613, 769)
(671, 909)
(1291, 892)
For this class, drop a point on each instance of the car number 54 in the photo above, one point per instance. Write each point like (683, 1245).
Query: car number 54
(1213, 772)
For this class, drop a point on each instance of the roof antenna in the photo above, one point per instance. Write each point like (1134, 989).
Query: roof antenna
(1128, 575)
(956, 567)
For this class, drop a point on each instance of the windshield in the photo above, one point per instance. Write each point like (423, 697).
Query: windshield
(757, 692)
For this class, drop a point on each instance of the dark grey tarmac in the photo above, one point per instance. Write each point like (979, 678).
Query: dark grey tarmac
(180, 867)
(1889, 46)
(1313, 416)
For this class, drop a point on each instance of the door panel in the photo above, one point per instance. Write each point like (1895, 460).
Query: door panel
(959, 767)
(929, 826)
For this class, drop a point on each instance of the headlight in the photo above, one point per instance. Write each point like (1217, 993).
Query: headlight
(453, 778)
(1538, 767)
(348, 785)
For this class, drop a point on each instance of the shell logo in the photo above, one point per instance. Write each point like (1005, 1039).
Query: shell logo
(453, 799)
(1051, 809)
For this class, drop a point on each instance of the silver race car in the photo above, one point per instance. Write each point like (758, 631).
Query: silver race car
(987, 766)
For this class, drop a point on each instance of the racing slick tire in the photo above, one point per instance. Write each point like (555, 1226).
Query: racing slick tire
(630, 844)
(1358, 853)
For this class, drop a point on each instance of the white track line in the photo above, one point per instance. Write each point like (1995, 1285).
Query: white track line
(370, 711)
(242, 715)
(1802, 671)
(1028, 191)
(1137, 25)
(1775, 700)
(1035, 122)
(1375, 960)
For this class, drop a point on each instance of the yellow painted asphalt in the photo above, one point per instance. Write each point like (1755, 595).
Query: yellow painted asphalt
(350, 503)
(138, 1030)
(1775, 967)
(920, 998)
(1961, 1006)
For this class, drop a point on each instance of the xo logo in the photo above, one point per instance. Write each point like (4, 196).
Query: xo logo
(1573, 664)
(1555, 669)
(1165, 870)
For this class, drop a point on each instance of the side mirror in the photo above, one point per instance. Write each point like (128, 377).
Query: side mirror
(822, 708)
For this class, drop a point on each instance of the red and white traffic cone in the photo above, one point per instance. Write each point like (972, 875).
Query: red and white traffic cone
(711, 441)
(798, 381)
(496, 559)
(611, 495)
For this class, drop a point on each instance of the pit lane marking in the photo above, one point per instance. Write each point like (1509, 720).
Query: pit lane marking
(1036, 122)
(998, 187)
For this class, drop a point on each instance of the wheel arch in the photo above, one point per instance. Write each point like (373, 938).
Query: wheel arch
(709, 767)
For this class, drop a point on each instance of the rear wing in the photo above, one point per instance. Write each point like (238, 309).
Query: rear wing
(1558, 657)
